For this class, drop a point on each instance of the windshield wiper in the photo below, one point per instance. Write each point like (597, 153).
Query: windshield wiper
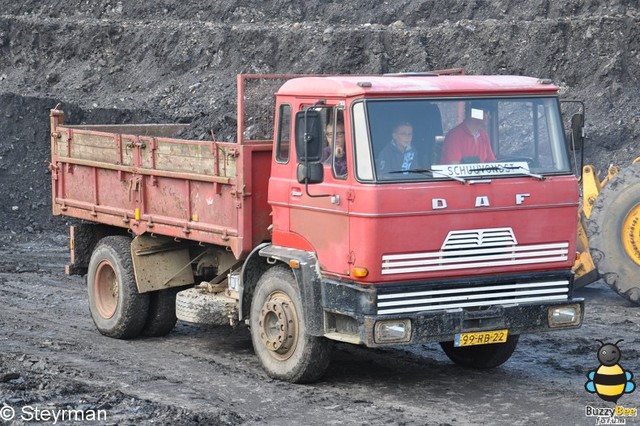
(497, 168)
(525, 171)
(426, 171)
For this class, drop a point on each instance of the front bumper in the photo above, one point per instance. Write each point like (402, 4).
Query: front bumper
(436, 312)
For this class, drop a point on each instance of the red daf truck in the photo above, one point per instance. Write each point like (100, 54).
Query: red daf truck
(325, 233)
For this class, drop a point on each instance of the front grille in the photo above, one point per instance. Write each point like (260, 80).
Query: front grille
(473, 238)
(454, 297)
(476, 248)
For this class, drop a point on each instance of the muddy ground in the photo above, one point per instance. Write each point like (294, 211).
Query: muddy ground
(108, 61)
(53, 358)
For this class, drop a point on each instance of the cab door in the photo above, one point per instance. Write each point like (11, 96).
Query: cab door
(319, 213)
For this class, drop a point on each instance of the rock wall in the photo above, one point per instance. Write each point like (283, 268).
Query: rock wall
(110, 61)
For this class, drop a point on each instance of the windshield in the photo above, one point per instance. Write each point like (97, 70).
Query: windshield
(460, 138)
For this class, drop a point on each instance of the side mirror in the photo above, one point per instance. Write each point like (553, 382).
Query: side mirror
(309, 136)
(577, 131)
(310, 173)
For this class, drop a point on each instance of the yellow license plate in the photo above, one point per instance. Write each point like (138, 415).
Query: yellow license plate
(481, 338)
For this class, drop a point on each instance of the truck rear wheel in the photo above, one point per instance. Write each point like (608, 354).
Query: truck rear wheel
(117, 309)
(613, 230)
(161, 317)
(278, 330)
(481, 356)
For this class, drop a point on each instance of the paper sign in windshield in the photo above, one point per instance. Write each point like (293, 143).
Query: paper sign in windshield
(482, 169)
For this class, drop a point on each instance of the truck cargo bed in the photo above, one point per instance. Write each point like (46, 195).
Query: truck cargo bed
(138, 177)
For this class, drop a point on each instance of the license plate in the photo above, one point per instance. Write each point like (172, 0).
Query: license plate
(481, 338)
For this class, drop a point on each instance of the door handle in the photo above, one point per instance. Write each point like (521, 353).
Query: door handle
(296, 192)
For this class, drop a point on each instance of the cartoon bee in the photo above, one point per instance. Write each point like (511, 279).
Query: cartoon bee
(610, 381)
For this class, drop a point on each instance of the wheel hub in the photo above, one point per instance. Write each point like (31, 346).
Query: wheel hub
(631, 234)
(106, 290)
(279, 325)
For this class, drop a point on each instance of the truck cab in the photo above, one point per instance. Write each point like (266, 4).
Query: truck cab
(412, 244)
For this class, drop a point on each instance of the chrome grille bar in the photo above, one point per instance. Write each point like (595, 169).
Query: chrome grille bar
(474, 258)
(462, 297)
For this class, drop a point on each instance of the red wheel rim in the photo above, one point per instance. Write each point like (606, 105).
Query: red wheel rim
(278, 324)
(105, 289)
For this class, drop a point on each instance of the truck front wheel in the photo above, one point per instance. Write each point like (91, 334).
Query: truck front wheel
(117, 309)
(278, 331)
(481, 356)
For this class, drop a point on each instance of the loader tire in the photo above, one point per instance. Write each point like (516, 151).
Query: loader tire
(117, 309)
(613, 231)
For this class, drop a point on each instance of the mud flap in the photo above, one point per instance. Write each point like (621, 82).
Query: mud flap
(308, 279)
(160, 263)
(83, 238)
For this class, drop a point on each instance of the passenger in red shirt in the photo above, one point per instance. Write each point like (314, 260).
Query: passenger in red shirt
(468, 142)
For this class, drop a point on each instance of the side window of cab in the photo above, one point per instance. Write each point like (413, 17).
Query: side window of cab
(334, 152)
(283, 142)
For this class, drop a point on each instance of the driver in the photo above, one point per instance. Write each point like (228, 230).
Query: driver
(468, 142)
(399, 154)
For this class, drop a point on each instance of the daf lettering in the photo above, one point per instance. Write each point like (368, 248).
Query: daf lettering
(438, 203)
(482, 201)
(520, 198)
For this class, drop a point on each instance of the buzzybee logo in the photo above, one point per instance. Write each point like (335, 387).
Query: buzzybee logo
(610, 381)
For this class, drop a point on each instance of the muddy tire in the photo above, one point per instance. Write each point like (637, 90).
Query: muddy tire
(483, 356)
(613, 230)
(278, 331)
(117, 309)
(161, 317)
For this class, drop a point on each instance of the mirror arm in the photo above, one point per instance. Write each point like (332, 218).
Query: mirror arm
(573, 136)
(306, 188)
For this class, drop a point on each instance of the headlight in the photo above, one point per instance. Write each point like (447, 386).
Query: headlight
(393, 331)
(564, 316)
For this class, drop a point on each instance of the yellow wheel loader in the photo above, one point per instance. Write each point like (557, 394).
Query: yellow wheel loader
(609, 230)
